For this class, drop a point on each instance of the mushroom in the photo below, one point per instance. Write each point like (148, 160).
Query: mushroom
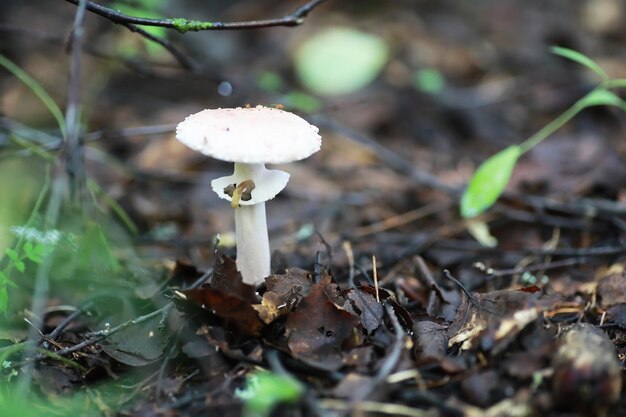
(250, 137)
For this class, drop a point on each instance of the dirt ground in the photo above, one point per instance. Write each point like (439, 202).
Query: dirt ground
(144, 313)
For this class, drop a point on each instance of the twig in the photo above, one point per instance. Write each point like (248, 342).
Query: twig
(388, 364)
(317, 267)
(470, 298)
(347, 247)
(494, 273)
(377, 407)
(429, 278)
(54, 335)
(572, 252)
(401, 219)
(72, 150)
(185, 25)
(375, 272)
(97, 336)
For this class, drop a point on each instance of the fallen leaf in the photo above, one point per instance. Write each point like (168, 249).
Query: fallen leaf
(317, 329)
(365, 305)
(283, 292)
(612, 290)
(232, 309)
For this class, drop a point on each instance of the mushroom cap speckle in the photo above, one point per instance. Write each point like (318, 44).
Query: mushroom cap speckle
(250, 135)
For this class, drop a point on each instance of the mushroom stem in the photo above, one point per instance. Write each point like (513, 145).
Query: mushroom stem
(253, 247)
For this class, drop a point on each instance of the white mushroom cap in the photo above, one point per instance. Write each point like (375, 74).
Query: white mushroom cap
(250, 135)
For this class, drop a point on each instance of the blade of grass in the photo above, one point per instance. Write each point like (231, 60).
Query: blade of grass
(95, 189)
(37, 90)
(618, 83)
(581, 59)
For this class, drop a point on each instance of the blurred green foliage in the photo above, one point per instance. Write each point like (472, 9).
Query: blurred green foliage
(340, 60)
(429, 80)
(264, 390)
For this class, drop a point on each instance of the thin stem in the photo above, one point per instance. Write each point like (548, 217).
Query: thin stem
(552, 127)
(73, 149)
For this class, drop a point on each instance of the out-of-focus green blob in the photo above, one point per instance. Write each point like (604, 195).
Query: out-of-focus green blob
(429, 80)
(340, 60)
(269, 81)
(265, 390)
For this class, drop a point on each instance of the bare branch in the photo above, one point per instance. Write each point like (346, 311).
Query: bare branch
(185, 25)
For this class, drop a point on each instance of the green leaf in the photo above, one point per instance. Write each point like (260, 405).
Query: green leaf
(12, 254)
(340, 60)
(20, 266)
(581, 59)
(489, 181)
(37, 252)
(264, 390)
(429, 80)
(601, 97)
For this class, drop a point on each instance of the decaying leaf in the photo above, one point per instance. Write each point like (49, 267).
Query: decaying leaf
(431, 341)
(283, 292)
(317, 329)
(229, 298)
(232, 309)
(227, 279)
(497, 316)
(611, 289)
(365, 305)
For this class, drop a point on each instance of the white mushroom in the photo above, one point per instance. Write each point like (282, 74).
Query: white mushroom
(250, 137)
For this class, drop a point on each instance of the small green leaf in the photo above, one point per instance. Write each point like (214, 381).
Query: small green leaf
(601, 97)
(12, 254)
(429, 80)
(264, 390)
(37, 252)
(581, 59)
(340, 60)
(28, 247)
(489, 181)
(20, 266)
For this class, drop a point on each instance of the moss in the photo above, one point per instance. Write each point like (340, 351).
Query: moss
(184, 25)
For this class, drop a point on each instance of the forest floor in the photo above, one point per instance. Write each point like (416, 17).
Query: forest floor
(382, 301)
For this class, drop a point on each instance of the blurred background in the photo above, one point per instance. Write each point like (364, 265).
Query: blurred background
(409, 96)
